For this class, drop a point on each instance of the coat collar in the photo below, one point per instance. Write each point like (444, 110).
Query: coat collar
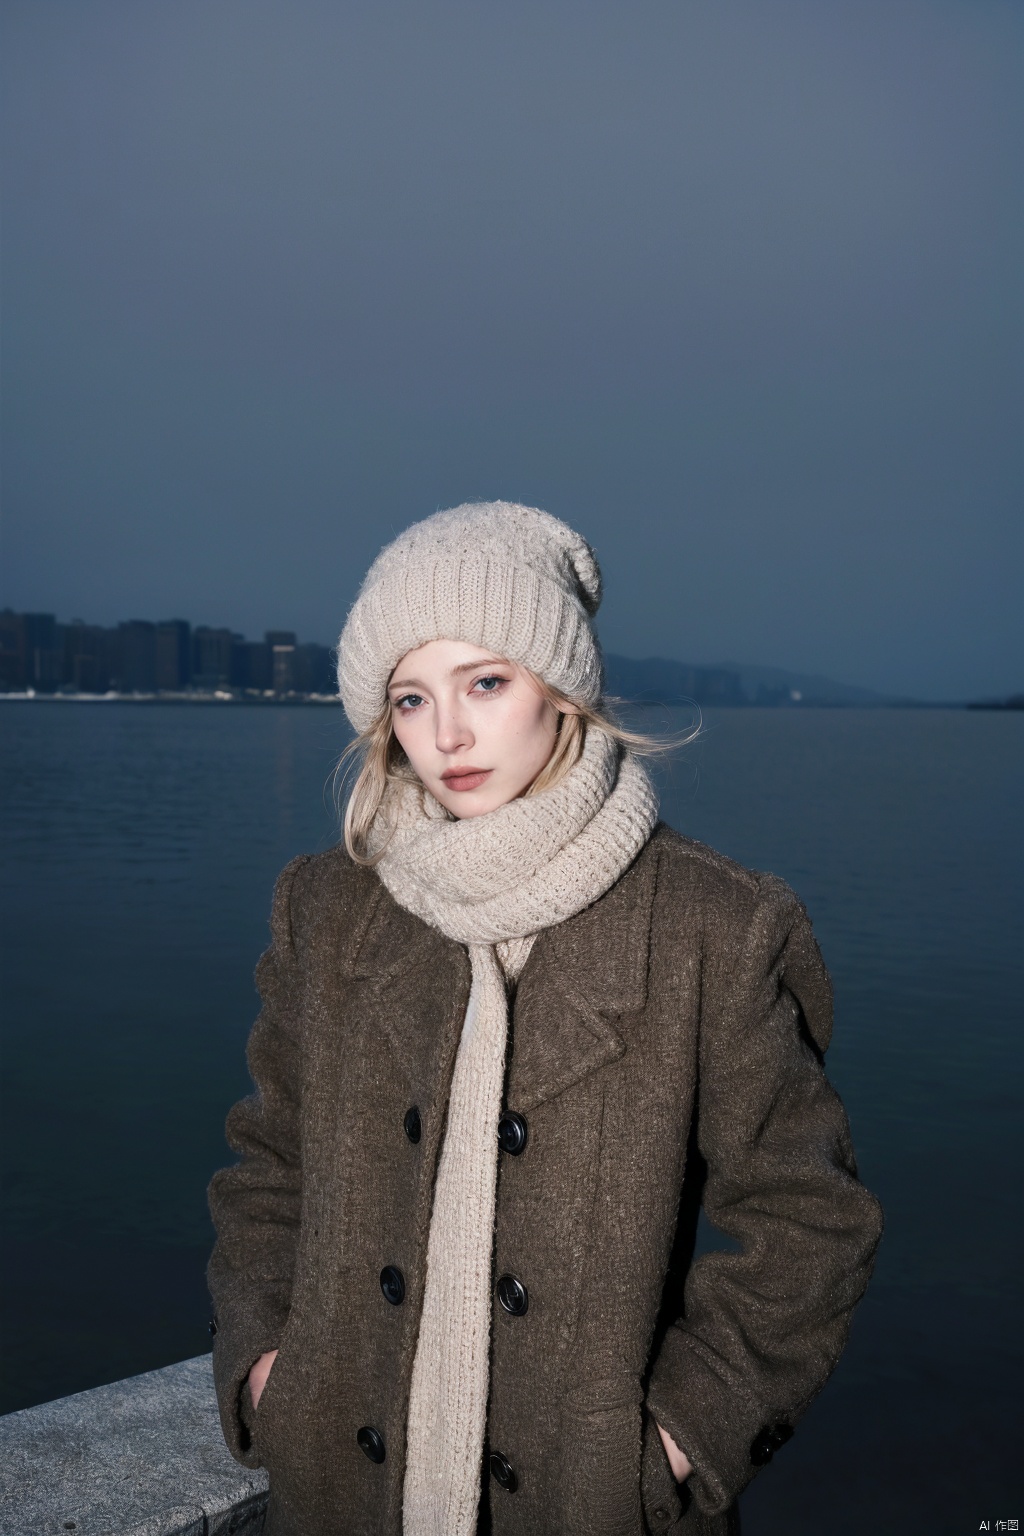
(580, 977)
(417, 984)
(390, 941)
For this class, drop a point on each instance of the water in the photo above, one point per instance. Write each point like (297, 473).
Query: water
(141, 847)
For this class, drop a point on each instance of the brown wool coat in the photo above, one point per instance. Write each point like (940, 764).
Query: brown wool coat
(675, 1026)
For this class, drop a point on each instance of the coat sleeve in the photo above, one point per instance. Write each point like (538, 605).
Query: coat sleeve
(255, 1204)
(762, 1328)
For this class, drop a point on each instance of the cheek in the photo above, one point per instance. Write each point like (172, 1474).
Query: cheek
(533, 733)
(406, 734)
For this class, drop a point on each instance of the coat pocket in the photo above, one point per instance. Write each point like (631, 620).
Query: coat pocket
(663, 1499)
(261, 1417)
(601, 1445)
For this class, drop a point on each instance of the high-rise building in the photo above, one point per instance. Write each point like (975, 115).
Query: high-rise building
(282, 647)
(88, 650)
(314, 669)
(211, 656)
(136, 663)
(12, 651)
(41, 648)
(253, 665)
(173, 654)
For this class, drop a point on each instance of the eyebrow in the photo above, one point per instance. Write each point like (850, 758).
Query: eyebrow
(466, 666)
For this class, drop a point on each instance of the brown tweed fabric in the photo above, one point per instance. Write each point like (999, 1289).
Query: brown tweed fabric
(686, 1009)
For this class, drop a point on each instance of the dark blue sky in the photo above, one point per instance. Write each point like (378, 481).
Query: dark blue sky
(733, 287)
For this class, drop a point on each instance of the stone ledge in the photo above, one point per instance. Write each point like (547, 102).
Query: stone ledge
(140, 1457)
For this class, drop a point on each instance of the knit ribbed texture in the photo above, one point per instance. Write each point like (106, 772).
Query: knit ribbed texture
(512, 579)
(491, 882)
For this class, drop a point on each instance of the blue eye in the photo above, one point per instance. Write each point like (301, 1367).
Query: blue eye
(489, 684)
(409, 701)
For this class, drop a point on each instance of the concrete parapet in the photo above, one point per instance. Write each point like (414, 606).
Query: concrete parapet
(140, 1457)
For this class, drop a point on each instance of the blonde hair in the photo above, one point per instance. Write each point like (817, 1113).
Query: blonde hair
(382, 761)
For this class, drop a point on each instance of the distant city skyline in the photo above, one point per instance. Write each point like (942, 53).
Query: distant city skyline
(41, 653)
(38, 651)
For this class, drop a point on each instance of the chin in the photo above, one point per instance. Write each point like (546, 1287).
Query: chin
(465, 812)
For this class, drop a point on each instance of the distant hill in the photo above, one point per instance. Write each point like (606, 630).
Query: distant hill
(656, 680)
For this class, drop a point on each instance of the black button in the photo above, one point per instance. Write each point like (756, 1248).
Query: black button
(212, 1326)
(413, 1129)
(512, 1133)
(761, 1450)
(372, 1442)
(767, 1441)
(501, 1471)
(512, 1295)
(392, 1283)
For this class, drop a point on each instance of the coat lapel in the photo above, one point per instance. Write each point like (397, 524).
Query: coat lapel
(420, 983)
(581, 977)
(392, 941)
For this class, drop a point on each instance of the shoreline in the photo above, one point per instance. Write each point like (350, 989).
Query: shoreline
(219, 696)
(293, 700)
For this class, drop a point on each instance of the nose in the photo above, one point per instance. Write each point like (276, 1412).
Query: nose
(453, 733)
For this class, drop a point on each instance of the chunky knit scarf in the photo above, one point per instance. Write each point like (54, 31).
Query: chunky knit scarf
(491, 882)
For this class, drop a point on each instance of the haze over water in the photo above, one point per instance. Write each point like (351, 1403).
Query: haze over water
(141, 845)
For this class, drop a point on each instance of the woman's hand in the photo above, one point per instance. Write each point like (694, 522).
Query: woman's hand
(677, 1459)
(261, 1370)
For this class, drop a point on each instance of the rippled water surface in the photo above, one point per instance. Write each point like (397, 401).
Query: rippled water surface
(140, 848)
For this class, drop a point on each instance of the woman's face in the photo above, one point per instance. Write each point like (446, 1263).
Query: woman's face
(476, 728)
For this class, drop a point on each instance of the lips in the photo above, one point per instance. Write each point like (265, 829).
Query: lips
(459, 779)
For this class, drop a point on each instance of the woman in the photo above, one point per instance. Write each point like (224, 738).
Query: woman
(510, 1034)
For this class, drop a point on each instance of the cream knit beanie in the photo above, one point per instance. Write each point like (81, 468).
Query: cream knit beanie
(511, 579)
